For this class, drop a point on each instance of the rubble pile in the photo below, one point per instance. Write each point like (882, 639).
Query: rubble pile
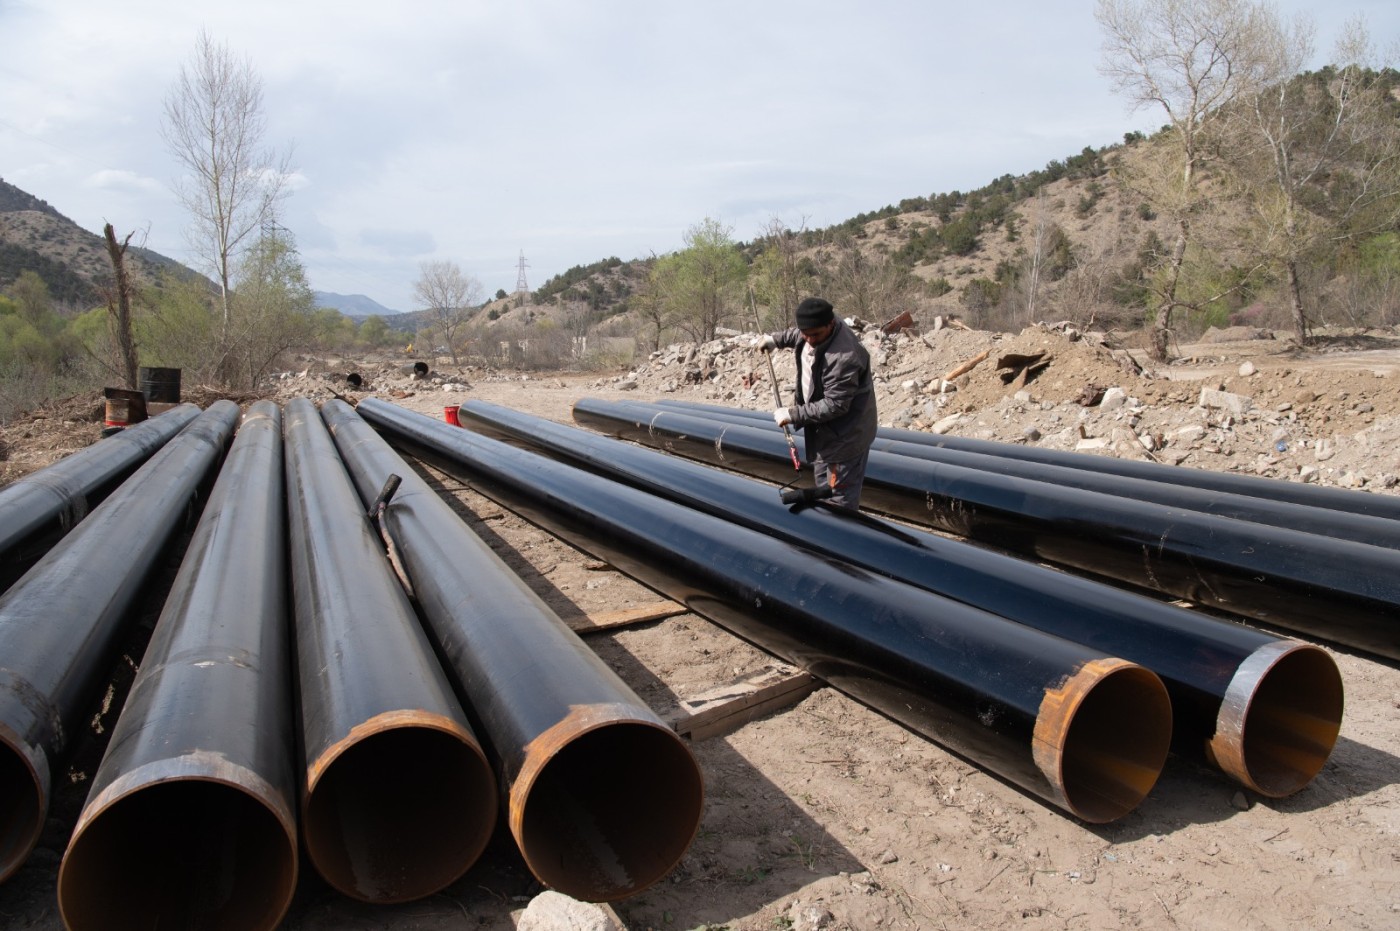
(1056, 387)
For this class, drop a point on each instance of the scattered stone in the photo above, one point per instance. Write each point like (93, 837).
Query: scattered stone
(1093, 444)
(1236, 404)
(1247, 369)
(1031, 434)
(1113, 398)
(809, 917)
(1191, 434)
(947, 423)
(1239, 801)
(554, 911)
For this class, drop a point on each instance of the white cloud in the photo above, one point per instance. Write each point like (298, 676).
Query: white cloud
(472, 130)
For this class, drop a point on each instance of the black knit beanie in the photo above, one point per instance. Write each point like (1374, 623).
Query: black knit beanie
(814, 312)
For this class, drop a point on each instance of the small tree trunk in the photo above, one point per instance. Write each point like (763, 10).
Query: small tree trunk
(1162, 326)
(1295, 297)
(119, 305)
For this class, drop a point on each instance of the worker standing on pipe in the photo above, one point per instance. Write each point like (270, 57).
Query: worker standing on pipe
(835, 397)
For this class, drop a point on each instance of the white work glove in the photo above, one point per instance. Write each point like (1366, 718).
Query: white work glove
(782, 416)
(765, 343)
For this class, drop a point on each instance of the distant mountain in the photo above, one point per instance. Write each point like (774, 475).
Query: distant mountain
(71, 260)
(353, 305)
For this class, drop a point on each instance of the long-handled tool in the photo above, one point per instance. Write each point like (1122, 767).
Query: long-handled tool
(777, 395)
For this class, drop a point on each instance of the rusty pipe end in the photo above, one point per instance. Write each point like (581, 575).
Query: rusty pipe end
(606, 803)
(1279, 719)
(1102, 737)
(24, 799)
(170, 851)
(400, 808)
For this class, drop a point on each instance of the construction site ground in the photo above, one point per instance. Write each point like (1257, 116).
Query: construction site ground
(824, 814)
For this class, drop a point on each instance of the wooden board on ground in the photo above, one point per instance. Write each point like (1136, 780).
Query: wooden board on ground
(724, 709)
(592, 623)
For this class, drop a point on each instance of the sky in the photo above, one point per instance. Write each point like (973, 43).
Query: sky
(476, 132)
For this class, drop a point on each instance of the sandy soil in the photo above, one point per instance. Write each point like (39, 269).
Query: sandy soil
(828, 815)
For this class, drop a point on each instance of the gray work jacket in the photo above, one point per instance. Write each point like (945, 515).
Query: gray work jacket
(839, 420)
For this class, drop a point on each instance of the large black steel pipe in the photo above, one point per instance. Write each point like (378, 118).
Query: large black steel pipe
(191, 818)
(1337, 589)
(63, 621)
(1318, 496)
(603, 797)
(1342, 525)
(38, 509)
(1266, 710)
(398, 799)
(1083, 730)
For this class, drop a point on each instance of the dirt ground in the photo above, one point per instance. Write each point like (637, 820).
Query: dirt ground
(828, 815)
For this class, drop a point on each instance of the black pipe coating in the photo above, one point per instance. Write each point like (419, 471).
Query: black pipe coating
(398, 799)
(191, 818)
(62, 623)
(1337, 589)
(39, 508)
(1265, 710)
(603, 797)
(1255, 486)
(1259, 508)
(1083, 730)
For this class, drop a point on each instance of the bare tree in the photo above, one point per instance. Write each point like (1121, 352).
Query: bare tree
(865, 284)
(1320, 152)
(1192, 58)
(214, 126)
(451, 297)
(119, 304)
(781, 282)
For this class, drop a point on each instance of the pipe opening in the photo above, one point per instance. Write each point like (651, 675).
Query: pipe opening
(1292, 722)
(182, 854)
(612, 812)
(1115, 742)
(21, 809)
(400, 814)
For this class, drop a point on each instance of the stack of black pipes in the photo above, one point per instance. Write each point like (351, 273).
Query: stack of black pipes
(1312, 568)
(1072, 722)
(291, 695)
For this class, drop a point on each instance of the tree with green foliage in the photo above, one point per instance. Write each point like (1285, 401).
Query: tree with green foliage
(179, 328)
(275, 306)
(700, 284)
(31, 295)
(780, 278)
(1192, 58)
(1319, 153)
(373, 331)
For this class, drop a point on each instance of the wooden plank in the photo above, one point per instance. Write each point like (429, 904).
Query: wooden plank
(592, 623)
(724, 709)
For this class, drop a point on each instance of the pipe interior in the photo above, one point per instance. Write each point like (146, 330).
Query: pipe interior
(21, 810)
(400, 814)
(1293, 721)
(612, 812)
(1116, 744)
(180, 854)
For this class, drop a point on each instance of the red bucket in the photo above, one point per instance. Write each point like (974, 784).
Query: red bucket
(449, 414)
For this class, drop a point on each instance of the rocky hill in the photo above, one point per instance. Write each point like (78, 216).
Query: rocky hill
(72, 261)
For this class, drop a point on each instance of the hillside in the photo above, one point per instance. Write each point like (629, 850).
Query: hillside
(73, 261)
